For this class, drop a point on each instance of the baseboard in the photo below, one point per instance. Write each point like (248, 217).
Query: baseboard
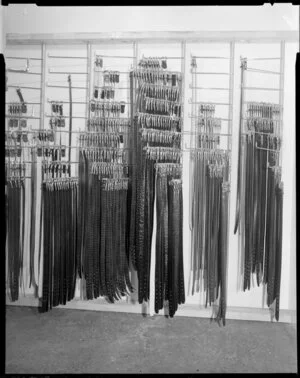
(187, 310)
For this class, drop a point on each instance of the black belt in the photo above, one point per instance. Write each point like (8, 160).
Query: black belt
(74, 238)
(33, 220)
(223, 255)
(103, 234)
(47, 244)
(160, 255)
(59, 262)
(278, 241)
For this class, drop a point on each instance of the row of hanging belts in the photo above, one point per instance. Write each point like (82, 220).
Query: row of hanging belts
(169, 93)
(33, 157)
(161, 122)
(209, 191)
(107, 109)
(208, 124)
(157, 180)
(108, 124)
(209, 225)
(59, 237)
(156, 76)
(30, 212)
(169, 279)
(105, 81)
(18, 201)
(260, 199)
(103, 186)
(15, 233)
(102, 251)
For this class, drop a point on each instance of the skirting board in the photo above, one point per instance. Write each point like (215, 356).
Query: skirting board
(188, 310)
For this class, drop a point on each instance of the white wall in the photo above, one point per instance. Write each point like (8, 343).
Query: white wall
(2, 32)
(32, 19)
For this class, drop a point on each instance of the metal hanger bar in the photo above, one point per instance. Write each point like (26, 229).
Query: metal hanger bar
(17, 86)
(205, 134)
(110, 102)
(260, 118)
(63, 86)
(15, 116)
(259, 133)
(209, 57)
(162, 57)
(156, 71)
(210, 73)
(266, 149)
(210, 103)
(110, 87)
(206, 149)
(263, 58)
(66, 102)
(45, 146)
(262, 71)
(88, 132)
(262, 88)
(63, 162)
(222, 119)
(66, 73)
(18, 177)
(114, 56)
(23, 72)
(66, 57)
(19, 57)
(53, 116)
(103, 148)
(263, 103)
(161, 86)
(27, 103)
(209, 88)
(158, 115)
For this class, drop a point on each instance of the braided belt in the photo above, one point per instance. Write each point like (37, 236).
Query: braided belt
(59, 230)
(13, 232)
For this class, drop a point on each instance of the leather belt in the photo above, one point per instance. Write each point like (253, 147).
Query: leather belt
(59, 257)
(33, 207)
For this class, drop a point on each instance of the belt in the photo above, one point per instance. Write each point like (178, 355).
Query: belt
(108, 249)
(37, 241)
(33, 207)
(181, 296)
(54, 234)
(133, 182)
(124, 222)
(221, 316)
(148, 219)
(271, 247)
(248, 215)
(103, 234)
(74, 239)
(160, 263)
(279, 207)
(87, 250)
(47, 243)
(59, 257)
(96, 238)
(80, 212)
(140, 250)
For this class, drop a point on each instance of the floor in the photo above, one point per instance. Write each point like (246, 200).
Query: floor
(76, 341)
